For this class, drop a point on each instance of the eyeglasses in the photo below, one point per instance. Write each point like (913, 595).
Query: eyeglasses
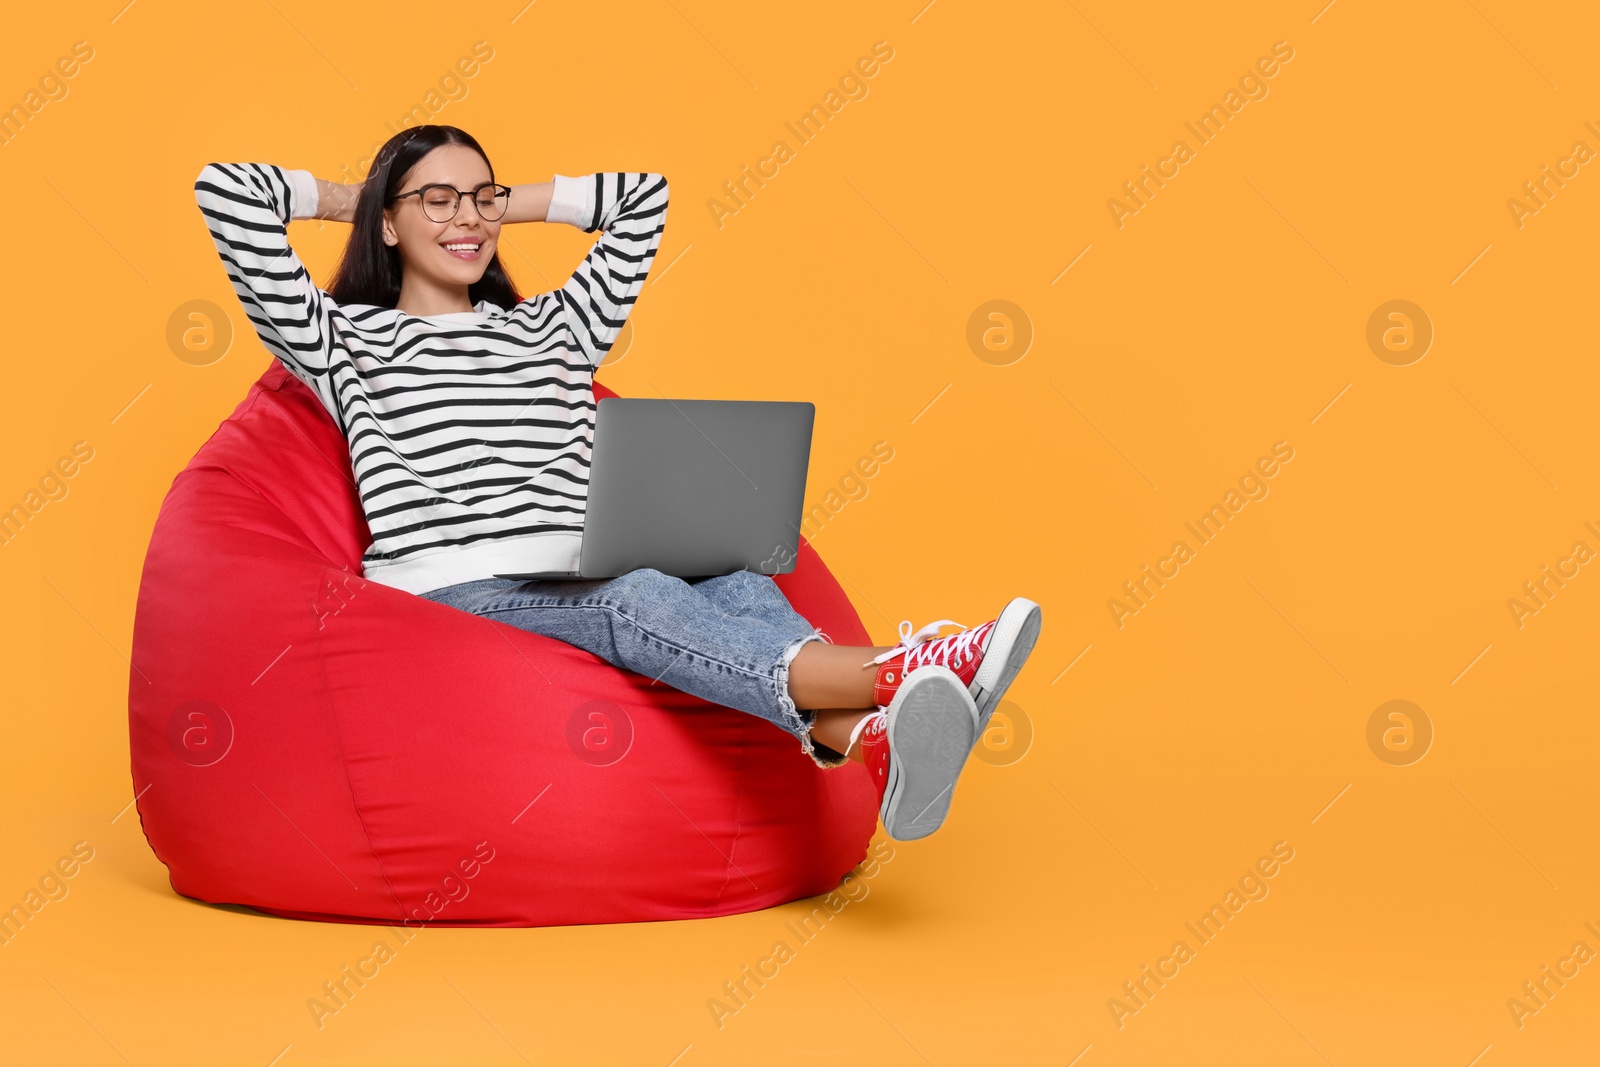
(441, 202)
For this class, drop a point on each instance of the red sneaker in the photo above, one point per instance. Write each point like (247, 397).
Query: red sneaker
(986, 659)
(915, 749)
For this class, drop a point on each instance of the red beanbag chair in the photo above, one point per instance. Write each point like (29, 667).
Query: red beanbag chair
(318, 746)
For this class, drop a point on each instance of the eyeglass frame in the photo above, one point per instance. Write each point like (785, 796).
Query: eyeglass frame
(461, 194)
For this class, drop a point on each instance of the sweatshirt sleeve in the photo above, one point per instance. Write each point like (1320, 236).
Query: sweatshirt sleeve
(630, 210)
(247, 208)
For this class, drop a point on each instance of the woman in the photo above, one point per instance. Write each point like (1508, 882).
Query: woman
(469, 413)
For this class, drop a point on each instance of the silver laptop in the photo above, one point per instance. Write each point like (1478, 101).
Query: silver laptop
(693, 488)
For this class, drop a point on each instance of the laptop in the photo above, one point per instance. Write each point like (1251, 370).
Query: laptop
(693, 488)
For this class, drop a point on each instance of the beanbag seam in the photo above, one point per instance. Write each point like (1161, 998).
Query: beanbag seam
(738, 812)
(326, 691)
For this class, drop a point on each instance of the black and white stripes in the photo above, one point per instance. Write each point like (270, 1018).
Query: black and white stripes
(469, 433)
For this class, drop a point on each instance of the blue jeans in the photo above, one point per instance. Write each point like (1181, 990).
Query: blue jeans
(728, 639)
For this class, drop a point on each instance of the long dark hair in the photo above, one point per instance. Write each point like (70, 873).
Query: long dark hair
(369, 271)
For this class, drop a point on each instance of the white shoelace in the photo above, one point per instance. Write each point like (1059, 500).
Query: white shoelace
(917, 652)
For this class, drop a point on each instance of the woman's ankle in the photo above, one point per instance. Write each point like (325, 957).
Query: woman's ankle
(833, 676)
(840, 729)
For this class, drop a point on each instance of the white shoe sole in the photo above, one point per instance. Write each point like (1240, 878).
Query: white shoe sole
(932, 727)
(1010, 642)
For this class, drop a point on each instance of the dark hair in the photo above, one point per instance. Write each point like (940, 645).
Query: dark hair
(369, 271)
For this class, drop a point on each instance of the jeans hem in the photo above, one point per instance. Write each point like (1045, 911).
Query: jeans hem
(800, 722)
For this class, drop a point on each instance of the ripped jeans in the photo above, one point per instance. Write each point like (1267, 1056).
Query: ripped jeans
(728, 639)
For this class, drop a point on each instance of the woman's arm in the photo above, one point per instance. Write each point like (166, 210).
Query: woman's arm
(336, 202)
(630, 208)
(247, 208)
(529, 203)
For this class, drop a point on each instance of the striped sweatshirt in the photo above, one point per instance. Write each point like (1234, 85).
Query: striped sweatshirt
(469, 433)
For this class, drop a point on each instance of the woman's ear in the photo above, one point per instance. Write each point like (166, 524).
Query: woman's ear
(389, 236)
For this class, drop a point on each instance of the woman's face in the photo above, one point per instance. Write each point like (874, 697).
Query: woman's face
(448, 254)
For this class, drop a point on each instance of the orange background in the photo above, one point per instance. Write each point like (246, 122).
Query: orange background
(1229, 313)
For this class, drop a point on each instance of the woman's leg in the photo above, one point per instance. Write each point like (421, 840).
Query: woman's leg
(747, 594)
(835, 728)
(832, 676)
(662, 627)
(821, 676)
(825, 680)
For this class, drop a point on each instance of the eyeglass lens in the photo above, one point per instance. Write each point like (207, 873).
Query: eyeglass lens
(441, 203)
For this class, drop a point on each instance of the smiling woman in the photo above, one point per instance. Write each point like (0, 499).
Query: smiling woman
(469, 413)
(404, 318)
(447, 200)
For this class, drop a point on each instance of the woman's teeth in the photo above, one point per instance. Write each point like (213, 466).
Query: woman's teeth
(463, 251)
